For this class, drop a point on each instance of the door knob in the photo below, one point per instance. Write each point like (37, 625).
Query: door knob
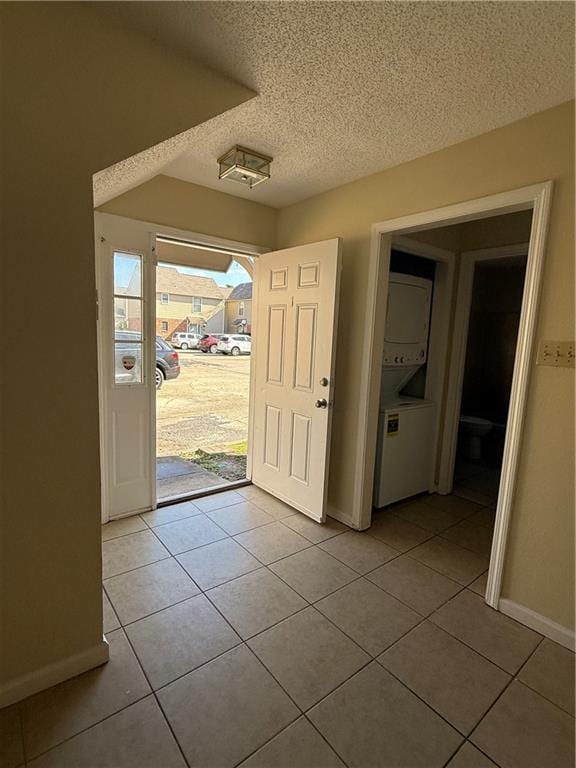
(322, 403)
(324, 381)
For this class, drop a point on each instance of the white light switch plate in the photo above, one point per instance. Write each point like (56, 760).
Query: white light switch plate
(559, 354)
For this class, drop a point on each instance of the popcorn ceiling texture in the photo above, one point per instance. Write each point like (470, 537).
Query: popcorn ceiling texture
(347, 89)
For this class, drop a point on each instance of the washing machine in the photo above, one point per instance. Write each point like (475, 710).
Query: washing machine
(404, 456)
(407, 425)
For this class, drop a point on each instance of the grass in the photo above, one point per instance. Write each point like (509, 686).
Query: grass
(229, 464)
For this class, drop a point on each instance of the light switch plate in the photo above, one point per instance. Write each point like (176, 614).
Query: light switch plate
(559, 354)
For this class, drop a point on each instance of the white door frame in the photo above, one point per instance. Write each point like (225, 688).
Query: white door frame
(468, 262)
(536, 198)
(247, 252)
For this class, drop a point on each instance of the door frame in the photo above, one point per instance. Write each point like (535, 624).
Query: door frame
(468, 262)
(537, 198)
(246, 253)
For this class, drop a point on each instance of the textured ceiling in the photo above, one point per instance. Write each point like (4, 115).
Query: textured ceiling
(347, 89)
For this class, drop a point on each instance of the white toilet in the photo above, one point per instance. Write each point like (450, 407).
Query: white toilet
(472, 430)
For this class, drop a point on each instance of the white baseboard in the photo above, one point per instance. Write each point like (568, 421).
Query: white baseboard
(43, 678)
(539, 623)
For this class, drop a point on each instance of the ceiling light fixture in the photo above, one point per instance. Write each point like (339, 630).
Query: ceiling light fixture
(244, 165)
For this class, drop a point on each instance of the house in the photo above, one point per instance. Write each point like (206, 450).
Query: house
(238, 308)
(184, 302)
(121, 308)
(372, 647)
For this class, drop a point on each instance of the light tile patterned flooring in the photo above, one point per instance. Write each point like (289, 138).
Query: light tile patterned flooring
(244, 634)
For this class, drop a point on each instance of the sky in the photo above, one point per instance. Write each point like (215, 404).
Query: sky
(124, 266)
(235, 275)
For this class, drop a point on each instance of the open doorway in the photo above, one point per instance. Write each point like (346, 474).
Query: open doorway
(491, 340)
(528, 208)
(204, 316)
(271, 427)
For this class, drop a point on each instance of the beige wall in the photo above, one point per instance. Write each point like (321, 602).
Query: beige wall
(540, 559)
(180, 307)
(233, 313)
(77, 96)
(175, 203)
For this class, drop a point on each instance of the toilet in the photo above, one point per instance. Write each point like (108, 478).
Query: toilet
(472, 430)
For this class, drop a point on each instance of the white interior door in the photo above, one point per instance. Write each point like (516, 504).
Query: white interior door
(297, 305)
(126, 366)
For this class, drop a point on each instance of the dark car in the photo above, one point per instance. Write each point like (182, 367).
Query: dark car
(167, 362)
(128, 362)
(209, 342)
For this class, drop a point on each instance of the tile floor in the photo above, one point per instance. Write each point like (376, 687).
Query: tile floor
(242, 634)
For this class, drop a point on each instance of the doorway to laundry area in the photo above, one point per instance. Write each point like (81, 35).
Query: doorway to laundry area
(507, 356)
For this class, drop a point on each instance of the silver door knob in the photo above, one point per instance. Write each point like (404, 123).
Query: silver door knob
(322, 403)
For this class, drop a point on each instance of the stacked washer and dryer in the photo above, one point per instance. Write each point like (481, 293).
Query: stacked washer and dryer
(407, 425)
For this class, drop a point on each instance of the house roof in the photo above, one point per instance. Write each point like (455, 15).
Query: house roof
(226, 290)
(241, 292)
(170, 280)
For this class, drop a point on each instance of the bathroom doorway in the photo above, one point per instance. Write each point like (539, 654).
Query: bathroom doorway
(491, 340)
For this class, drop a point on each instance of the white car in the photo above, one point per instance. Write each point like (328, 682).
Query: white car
(237, 344)
(185, 340)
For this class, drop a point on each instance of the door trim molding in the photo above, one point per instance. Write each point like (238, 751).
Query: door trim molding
(536, 198)
(52, 674)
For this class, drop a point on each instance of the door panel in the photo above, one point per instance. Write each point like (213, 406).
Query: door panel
(126, 370)
(297, 303)
(276, 344)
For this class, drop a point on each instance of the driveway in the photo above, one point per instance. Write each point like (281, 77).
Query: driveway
(205, 408)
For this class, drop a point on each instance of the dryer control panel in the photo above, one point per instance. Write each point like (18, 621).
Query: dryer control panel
(407, 320)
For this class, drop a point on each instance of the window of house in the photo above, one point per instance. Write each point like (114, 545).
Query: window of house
(164, 325)
(241, 309)
(164, 298)
(196, 304)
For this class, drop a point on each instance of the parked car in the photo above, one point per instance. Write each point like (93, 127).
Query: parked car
(167, 362)
(185, 340)
(209, 342)
(238, 344)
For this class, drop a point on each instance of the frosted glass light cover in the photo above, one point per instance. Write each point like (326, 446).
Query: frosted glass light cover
(244, 165)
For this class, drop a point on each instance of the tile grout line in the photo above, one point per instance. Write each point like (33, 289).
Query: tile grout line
(141, 665)
(497, 699)
(566, 712)
(92, 725)
(512, 674)
(432, 568)
(430, 706)
(333, 748)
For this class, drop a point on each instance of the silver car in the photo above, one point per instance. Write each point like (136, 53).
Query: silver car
(185, 340)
